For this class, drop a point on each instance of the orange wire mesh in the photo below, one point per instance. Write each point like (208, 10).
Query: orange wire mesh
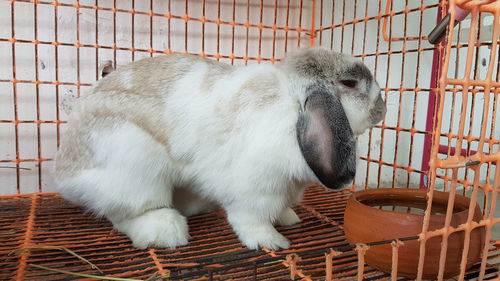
(93, 24)
(214, 252)
(454, 162)
(381, 33)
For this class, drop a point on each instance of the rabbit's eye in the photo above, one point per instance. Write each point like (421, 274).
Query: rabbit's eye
(349, 83)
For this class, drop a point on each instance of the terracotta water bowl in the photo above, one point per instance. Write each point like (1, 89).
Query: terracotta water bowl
(365, 221)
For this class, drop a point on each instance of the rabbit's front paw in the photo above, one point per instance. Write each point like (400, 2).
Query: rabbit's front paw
(288, 217)
(162, 228)
(263, 236)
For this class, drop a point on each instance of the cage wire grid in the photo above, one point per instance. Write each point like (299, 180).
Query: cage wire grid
(431, 117)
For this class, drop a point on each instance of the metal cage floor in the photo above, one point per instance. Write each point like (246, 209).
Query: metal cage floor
(214, 252)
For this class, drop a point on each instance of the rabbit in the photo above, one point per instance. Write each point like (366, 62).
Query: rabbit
(164, 138)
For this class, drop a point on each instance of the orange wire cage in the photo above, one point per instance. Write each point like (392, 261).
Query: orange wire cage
(440, 131)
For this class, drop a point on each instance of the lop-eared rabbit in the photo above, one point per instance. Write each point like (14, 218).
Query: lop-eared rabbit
(176, 135)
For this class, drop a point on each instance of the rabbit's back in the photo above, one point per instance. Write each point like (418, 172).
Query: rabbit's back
(199, 110)
(157, 75)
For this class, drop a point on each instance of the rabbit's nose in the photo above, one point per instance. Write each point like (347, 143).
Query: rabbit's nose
(378, 110)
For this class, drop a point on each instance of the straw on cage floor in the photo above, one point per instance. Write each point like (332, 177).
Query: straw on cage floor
(214, 252)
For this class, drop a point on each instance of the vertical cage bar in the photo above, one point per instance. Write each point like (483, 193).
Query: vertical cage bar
(370, 133)
(56, 63)
(386, 92)
(247, 23)
(14, 93)
(332, 25)
(354, 26)
(431, 106)
(96, 30)
(37, 92)
(417, 88)
(169, 37)
(329, 267)
(203, 29)
(259, 50)
(114, 34)
(445, 235)
(218, 31)
(275, 19)
(232, 30)
(132, 21)
(299, 28)
(312, 31)
(361, 250)
(286, 24)
(320, 29)
(151, 37)
(343, 27)
(401, 93)
(353, 186)
(78, 74)
(27, 237)
(491, 218)
(450, 135)
(365, 19)
(186, 19)
(395, 253)
(329, 262)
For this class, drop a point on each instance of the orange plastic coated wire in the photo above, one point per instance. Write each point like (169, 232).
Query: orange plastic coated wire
(454, 161)
(395, 251)
(361, 250)
(382, 57)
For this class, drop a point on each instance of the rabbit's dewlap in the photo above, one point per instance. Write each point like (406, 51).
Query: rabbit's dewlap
(176, 135)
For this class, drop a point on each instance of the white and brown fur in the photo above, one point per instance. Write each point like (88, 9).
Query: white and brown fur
(172, 136)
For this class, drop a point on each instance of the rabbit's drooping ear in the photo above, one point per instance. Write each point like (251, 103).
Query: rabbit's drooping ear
(326, 138)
